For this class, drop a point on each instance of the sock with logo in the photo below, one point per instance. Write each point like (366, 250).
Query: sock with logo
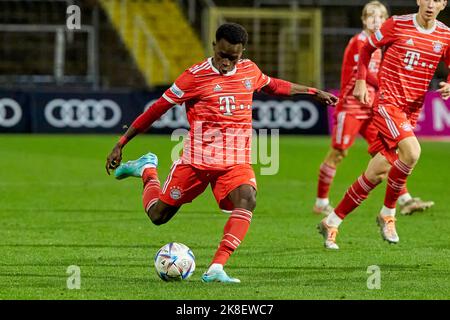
(233, 233)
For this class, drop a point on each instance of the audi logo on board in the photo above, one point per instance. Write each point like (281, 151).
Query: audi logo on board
(269, 114)
(10, 112)
(284, 114)
(89, 113)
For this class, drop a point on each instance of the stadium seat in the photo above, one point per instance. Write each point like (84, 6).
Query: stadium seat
(164, 21)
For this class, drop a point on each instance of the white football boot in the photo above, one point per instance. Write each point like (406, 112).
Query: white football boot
(387, 228)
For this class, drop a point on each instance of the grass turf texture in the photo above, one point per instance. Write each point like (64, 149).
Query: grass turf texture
(59, 208)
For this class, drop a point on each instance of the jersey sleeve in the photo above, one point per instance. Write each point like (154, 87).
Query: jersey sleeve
(446, 56)
(446, 59)
(385, 35)
(355, 47)
(183, 89)
(261, 80)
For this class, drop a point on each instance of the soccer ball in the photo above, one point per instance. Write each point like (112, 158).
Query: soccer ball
(174, 261)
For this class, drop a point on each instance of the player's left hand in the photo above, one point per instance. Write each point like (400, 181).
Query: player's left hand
(326, 98)
(114, 158)
(444, 90)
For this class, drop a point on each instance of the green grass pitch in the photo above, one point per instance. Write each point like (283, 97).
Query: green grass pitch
(59, 208)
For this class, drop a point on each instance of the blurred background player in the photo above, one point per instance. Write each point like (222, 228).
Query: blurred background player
(218, 95)
(414, 45)
(352, 117)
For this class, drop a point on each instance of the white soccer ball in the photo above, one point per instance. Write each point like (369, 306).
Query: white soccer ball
(174, 261)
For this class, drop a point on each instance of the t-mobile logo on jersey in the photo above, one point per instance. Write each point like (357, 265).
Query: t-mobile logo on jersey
(229, 104)
(411, 60)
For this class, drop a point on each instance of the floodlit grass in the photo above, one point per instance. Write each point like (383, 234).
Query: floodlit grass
(59, 208)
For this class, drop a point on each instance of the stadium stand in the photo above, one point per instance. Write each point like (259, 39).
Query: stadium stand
(158, 35)
(147, 43)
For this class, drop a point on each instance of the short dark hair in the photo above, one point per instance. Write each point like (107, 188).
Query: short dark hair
(232, 32)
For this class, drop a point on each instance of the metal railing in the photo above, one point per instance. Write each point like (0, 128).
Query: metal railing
(139, 29)
(61, 34)
(151, 49)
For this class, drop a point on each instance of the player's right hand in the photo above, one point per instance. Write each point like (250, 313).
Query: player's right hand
(444, 90)
(360, 92)
(114, 158)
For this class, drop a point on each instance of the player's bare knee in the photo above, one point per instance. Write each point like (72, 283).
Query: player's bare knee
(339, 156)
(409, 151)
(244, 197)
(383, 176)
(335, 157)
(249, 202)
(156, 218)
(410, 157)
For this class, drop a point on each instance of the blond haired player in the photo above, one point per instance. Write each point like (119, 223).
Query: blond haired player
(414, 45)
(352, 117)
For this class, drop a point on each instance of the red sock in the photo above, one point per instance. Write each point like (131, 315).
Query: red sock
(396, 183)
(326, 176)
(233, 233)
(152, 187)
(354, 196)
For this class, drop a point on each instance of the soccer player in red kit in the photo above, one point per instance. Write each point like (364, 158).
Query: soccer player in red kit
(414, 45)
(352, 117)
(217, 94)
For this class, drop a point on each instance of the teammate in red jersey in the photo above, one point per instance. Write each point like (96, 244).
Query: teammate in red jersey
(217, 94)
(414, 45)
(352, 117)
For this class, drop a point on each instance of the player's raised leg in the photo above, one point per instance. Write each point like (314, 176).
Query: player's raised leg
(135, 168)
(146, 167)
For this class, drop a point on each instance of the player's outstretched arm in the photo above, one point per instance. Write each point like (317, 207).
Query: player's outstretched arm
(141, 124)
(323, 97)
(280, 87)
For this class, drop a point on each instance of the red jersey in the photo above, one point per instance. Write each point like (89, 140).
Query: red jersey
(347, 102)
(219, 112)
(411, 57)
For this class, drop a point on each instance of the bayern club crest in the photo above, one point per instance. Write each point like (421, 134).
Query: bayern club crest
(175, 193)
(437, 46)
(248, 84)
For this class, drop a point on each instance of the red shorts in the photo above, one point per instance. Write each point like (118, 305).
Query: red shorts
(186, 182)
(346, 128)
(393, 125)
